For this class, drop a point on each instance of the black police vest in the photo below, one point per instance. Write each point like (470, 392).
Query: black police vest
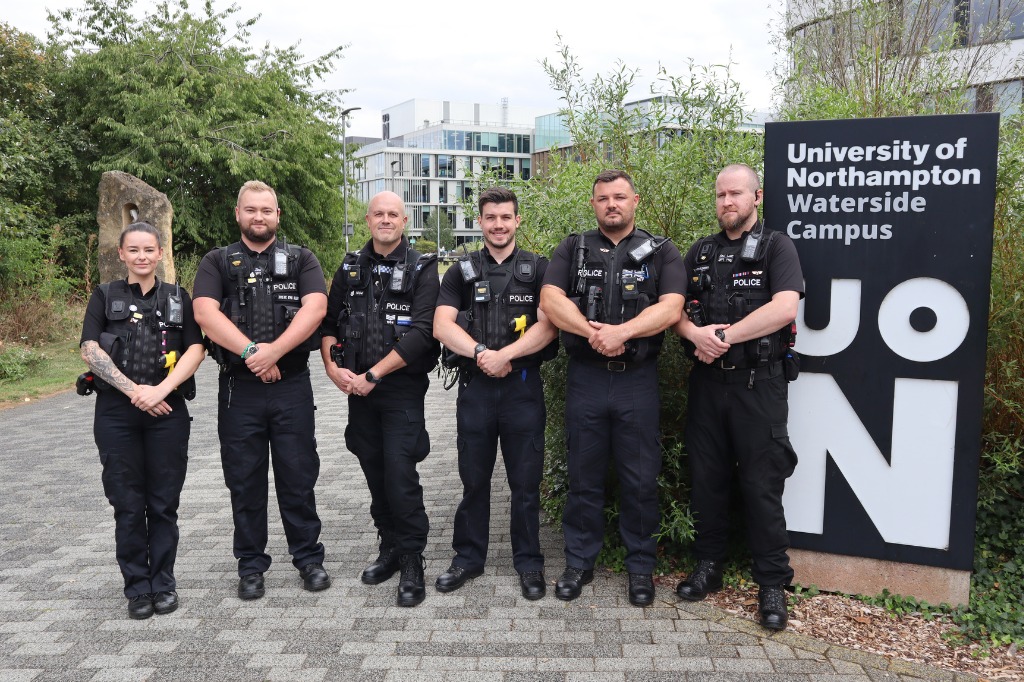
(730, 288)
(608, 285)
(263, 297)
(510, 311)
(140, 333)
(375, 316)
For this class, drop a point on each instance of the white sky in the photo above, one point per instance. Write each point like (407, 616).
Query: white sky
(481, 51)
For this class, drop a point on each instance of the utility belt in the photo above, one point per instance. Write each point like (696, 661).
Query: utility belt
(722, 373)
(287, 369)
(615, 366)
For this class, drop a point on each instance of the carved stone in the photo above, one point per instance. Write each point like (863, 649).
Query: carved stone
(123, 200)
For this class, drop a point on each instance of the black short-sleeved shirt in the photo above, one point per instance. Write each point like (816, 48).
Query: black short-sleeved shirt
(781, 261)
(456, 294)
(210, 278)
(667, 261)
(96, 317)
(419, 341)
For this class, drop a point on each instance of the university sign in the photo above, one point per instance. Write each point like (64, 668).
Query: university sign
(893, 222)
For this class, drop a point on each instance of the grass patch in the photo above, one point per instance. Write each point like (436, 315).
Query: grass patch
(30, 372)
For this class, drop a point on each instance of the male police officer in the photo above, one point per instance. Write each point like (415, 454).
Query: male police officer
(377, 347)
(612, 291)
(260, 302)
(745, 285)
(487, 313)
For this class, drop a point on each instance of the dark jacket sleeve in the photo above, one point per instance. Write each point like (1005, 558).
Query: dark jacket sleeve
(95, 317)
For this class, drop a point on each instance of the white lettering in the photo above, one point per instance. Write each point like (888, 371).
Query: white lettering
(909, 498)
(953, 319)
(843, 322)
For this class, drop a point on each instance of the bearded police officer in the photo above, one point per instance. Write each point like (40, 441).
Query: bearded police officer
(488, 316)
(612, 291)
(744, 288)
(378, 348)
(260, 302)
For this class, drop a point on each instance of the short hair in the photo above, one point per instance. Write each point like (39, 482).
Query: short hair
(497, 195)
(755, 179)
(612, 175)
(141, 226)
(255, 186)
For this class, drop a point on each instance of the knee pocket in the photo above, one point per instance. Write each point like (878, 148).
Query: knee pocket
(785, 456)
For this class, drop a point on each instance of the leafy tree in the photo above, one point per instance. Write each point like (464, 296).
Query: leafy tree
(430, 229)
(181, 100)
(38, 153)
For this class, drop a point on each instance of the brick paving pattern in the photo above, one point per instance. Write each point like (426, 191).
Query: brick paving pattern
(63, 617)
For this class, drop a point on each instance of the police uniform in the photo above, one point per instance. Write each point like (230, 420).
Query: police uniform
(260, 293)
(509, 408)
(378, 304)
(144, 457)
(737, 410)
(611, 404)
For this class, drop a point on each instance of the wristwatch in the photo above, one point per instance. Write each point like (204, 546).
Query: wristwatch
(372, 378)
(720, 333)
(480, 348)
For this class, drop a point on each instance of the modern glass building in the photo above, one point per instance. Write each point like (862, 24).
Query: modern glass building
(431, 150)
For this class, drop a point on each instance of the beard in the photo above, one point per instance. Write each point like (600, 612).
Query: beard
(260, 234)
(731, 225)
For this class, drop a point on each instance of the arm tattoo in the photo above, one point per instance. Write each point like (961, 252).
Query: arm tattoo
(101, 364)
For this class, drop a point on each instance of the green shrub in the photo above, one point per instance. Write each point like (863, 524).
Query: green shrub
(16, 362)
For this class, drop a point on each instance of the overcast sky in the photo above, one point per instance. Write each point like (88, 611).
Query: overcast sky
(482, 51)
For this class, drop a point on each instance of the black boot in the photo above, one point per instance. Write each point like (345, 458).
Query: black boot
(410, 584)
(773, 608)
(707, 577)
(386, 564)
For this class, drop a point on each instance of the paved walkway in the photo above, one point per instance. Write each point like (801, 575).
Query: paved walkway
(62, 616)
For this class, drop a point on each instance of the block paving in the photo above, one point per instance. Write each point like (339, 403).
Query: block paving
(63, 616)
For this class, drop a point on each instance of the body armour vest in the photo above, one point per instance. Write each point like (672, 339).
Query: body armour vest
(729, 288)
(377, 311)
(141, 333)
(501, 304)
(263, 296)
(614, 285)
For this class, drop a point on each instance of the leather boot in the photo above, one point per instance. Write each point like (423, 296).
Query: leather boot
(411, 590)
(706, 578)
(772, 606)
(386, 563)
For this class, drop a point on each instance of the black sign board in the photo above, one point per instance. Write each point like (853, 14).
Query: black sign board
(893, 222)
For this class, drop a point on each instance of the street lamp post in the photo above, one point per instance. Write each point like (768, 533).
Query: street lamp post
(344, 172)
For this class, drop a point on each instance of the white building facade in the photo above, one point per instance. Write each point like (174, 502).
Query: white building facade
(431, 150)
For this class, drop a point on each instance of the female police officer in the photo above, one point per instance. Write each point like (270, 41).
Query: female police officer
(142, 344)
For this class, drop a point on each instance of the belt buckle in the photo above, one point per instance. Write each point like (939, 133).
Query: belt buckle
(616, 366)
(721, 365)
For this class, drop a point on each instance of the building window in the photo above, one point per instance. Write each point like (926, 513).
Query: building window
(445, 166)
(525, 172)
